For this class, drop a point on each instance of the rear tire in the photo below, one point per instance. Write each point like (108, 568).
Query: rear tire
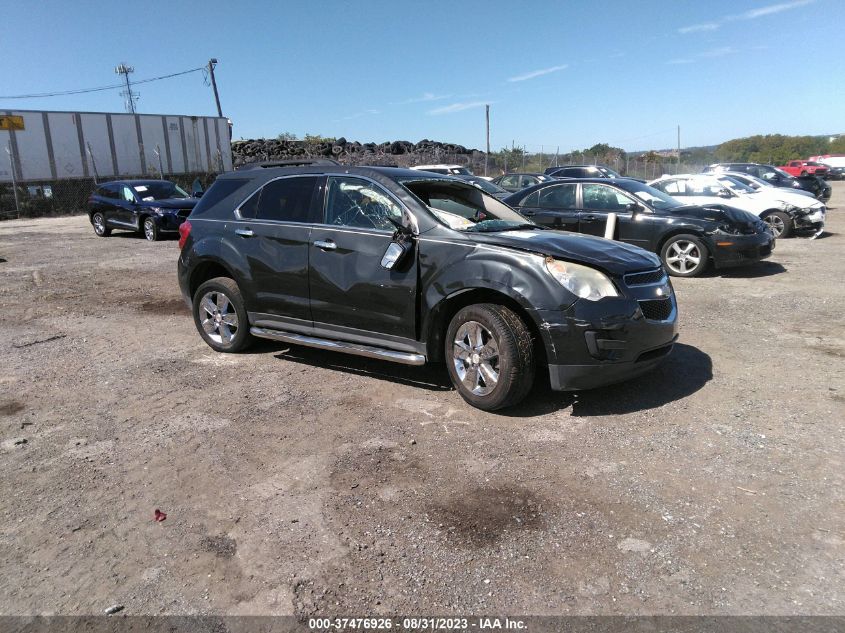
(684, 256)
(490, 356)
(220, 315)
(98, 221)
(780, 223)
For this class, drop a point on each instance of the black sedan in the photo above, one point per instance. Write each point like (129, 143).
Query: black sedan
(515, 182)
(485, 185)
(686, 237)
(150, 207)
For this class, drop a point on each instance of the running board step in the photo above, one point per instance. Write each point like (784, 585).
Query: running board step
(405, 358)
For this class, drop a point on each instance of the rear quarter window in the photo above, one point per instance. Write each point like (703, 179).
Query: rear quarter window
(220, 190)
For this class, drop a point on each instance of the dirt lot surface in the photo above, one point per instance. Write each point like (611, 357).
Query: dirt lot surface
(303, 482)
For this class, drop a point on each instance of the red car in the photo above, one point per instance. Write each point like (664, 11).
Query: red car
(805, 168)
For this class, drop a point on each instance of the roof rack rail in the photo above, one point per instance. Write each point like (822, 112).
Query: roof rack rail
(305, 162)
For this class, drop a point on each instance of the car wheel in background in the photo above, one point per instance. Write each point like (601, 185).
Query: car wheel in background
(684, 256)
(490, 356)
(220, 315)
(780, 223)
(150, 229)
(99, 223)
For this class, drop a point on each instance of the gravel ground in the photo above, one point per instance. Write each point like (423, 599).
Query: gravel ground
(304, 482)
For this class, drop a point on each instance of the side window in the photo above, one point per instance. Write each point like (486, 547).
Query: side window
(220, 189)
(249, 207)
(362, 204)
(287, 200)
(527, 181)
(126, 194)
(532, 200)
(510, 181)
(672, 187)
(107, 191)
(603, 197)
(557, 197)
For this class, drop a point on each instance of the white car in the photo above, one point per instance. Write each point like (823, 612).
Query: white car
(758, 183)
(782, 210)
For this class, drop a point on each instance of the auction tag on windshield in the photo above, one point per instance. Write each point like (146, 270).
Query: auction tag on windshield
(140, 188)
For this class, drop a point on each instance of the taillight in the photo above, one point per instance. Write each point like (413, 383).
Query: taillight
(184, 232)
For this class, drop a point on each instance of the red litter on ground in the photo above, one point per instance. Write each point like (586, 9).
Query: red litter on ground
(159, 515)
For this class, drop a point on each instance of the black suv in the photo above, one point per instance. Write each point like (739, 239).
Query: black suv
(777, 177)
(414, 267)
(686, 237)
(150, 207)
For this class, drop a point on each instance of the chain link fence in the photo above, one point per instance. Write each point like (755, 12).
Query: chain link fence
(70, 196)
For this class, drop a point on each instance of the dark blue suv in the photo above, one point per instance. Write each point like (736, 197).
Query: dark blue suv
(150, 207)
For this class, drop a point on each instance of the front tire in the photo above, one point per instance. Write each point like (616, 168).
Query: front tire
(780, 224)
(490, 356)
(684, 256)
(98, 220)
(150, 229)
(220, 315)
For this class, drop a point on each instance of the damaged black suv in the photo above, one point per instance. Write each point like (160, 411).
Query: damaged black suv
(413, 267)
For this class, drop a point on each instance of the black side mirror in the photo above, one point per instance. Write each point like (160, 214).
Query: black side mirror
(633, 207)
(196, 188)
(397, 251)
(725, 193)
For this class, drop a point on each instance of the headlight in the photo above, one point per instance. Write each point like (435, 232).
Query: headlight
(582, 281)
(729, 229)
(158, 210)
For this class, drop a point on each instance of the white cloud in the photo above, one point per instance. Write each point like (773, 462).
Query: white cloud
(457, 107)
(538, 73)
(718, 52)
(697, 28)
(426, 96)
(681, 61)
(358, 115)
(770, 9)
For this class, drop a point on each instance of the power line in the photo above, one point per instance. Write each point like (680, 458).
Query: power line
(101, 88)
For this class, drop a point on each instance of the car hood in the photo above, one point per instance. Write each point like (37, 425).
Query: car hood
(171, 203)
(714, 213)
(614, 257)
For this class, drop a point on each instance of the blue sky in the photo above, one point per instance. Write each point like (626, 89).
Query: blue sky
(567, 74)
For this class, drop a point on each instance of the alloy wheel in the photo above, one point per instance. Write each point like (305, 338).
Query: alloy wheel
(218, 317)
(475, 355)
(99, 224)
(776, 224)
(149, 229)
(683, 256)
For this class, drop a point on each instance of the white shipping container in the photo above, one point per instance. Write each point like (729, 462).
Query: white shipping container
(59, 145)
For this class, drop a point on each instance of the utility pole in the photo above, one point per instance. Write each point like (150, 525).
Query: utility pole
(211, 65)
(679, 150)
(487, 108)
(14, 179)
(123, 69)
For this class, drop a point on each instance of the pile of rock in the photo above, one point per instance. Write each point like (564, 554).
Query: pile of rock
(403, 153)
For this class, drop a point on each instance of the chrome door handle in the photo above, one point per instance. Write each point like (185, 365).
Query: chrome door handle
(325, 245)
(244, 232)
(589, 218)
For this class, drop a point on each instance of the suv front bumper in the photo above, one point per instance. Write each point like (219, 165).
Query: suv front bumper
(592, 344)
